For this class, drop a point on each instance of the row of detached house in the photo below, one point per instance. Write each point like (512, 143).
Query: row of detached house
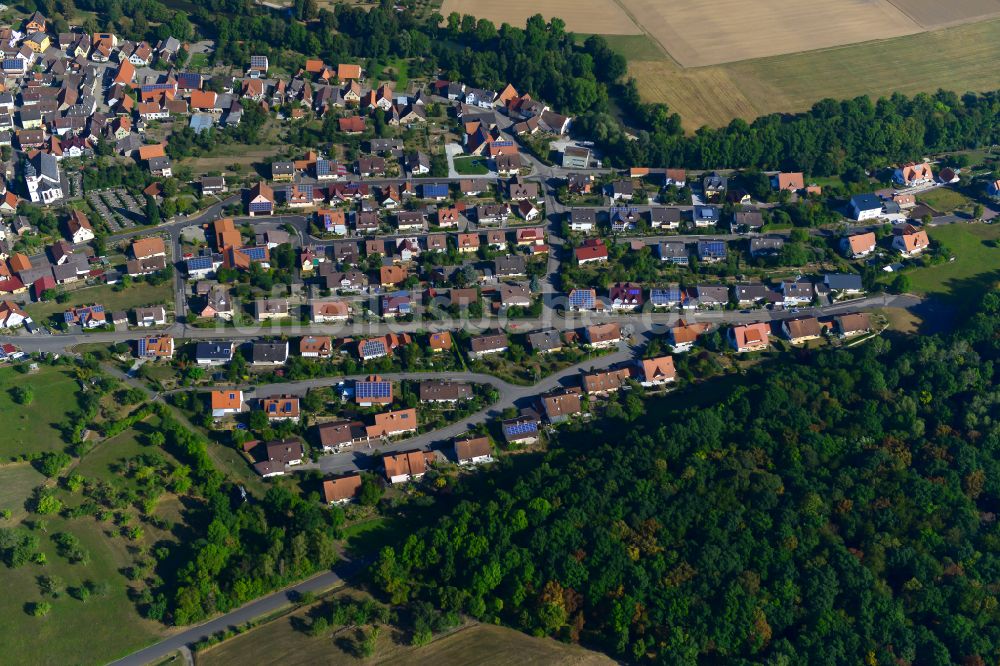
(262, 199)
(554, 407)
(798, 330)
(627, 296)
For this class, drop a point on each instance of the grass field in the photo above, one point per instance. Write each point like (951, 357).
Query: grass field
(103, 627)
(74, 632)
(471, 166)
(32, 428)
(484, 645)
(714, 95)
(17, 480)
(944, 199)
(976, 269)
(138, 295)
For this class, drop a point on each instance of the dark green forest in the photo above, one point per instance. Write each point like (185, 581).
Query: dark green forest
(835, 509)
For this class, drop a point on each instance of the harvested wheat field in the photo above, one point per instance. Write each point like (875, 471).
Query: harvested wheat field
(932, 14)
(954, 59)
(697, 33)
(605, 17)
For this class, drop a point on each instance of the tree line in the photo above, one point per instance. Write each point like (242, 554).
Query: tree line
(838, 509)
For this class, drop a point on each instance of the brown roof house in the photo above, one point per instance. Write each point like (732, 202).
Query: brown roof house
(440, 341)
(561, 405)
(336, 435)
(855, 323)
(280, 453)
(488, 344)
(683, 336)
(342, 489)
(801, 329)
(324, 312)
(390, 424)
(315, 346)
(437, 390)
(910, 241)
(603, 335)
(145, 248)
(408, 466)
(473, 451)
(605, 381)
(271, 308)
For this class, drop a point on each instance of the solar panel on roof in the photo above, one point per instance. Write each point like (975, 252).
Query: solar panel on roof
(255, 253)
(372, 347)
(373, 389)
(524, 428)
(581, 299)
(199, 263)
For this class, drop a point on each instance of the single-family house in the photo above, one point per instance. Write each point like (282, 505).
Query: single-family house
(342, 490)
(214, 353)
(269, 353)
(408, 466)
(854, 323)
(281, 408)
(603, 335)
(473, 451)
(561, 405)
(437, 390)
(865, 207)
(520, 430)
(801, 329)
(484, 345)
(315, 346)
(156, 346)
(858, 245)
(910, 241)
(750, 337)
(226, 402)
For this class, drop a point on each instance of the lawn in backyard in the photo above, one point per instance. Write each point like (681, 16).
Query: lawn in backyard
(138, 295)
(35, 428)
(944, 199)
(976, 268)
(472, 166)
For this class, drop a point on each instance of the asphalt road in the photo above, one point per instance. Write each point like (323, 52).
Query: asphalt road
(643, 322)
(242, 615)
